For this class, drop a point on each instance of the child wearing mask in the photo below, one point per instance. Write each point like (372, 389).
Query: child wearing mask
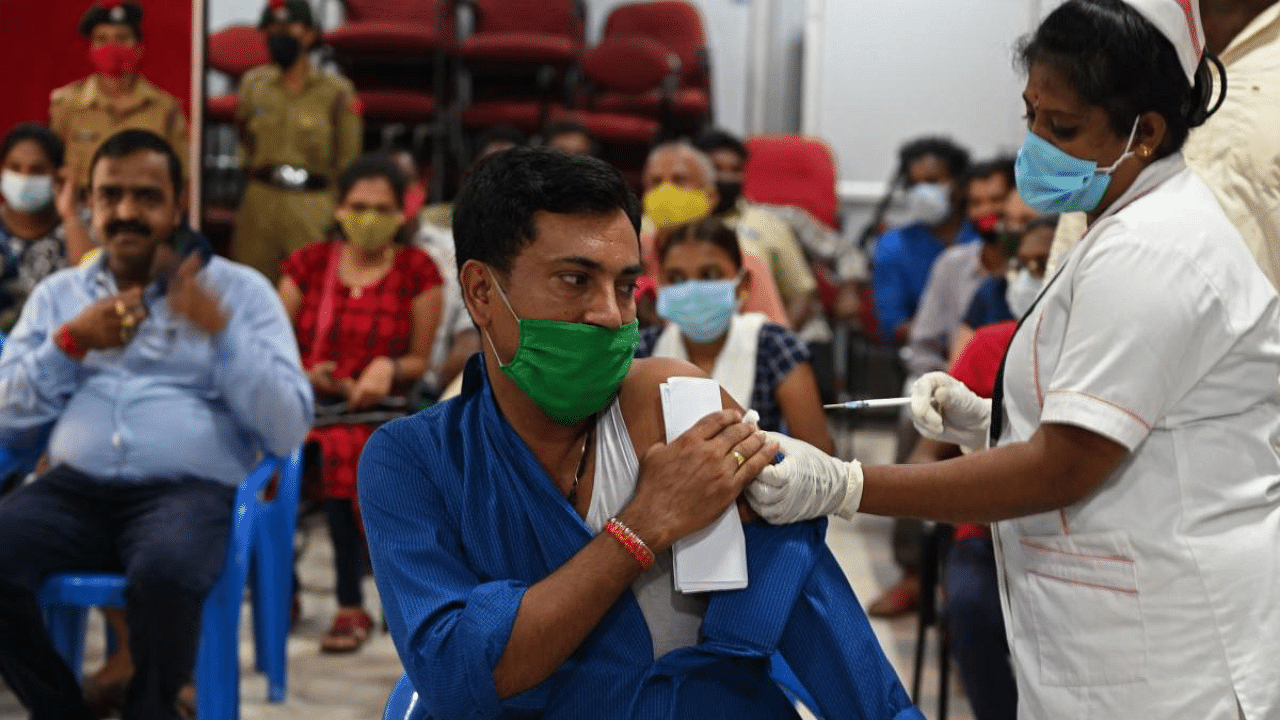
(763, 366)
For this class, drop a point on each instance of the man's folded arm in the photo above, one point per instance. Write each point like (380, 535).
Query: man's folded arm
(449, 627)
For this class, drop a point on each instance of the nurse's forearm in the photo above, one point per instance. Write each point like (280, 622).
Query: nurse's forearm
(1057, 467)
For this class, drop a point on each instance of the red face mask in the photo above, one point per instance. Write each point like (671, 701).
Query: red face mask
(114, 58)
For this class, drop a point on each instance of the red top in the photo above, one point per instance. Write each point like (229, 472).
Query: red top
(980, 360)
(377, 322)
(977, 367)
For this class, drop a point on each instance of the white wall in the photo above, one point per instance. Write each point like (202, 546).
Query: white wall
(894, 71)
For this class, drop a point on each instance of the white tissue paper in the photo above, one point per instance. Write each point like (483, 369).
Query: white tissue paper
(715, 557)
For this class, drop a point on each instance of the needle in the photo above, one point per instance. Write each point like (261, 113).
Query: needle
(870, 404)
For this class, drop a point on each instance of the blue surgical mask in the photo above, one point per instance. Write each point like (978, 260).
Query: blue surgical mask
(1051, 181)
(701, 308)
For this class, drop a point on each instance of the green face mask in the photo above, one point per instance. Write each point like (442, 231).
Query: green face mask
(571, 370)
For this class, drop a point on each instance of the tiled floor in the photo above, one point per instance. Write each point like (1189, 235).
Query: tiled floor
(326, 687)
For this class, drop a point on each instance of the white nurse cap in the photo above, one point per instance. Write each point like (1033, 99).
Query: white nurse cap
(1178, 20)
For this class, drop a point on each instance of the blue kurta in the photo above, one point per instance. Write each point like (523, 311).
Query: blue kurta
(462, 519)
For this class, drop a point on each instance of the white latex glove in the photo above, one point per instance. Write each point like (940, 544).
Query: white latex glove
(942, 408)
(807, 484)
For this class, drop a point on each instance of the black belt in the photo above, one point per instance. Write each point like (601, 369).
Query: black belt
(288, 177)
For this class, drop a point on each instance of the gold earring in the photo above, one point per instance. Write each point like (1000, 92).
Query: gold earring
(1144, 152)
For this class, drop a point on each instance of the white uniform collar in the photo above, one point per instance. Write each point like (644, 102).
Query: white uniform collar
(1147, 180)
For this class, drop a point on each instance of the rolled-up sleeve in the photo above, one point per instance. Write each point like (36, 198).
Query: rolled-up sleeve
(36, 377)
(449, 626)
(257, 368)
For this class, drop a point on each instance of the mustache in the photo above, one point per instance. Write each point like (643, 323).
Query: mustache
(133, 226)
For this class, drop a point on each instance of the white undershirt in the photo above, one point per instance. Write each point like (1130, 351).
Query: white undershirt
(674, 619)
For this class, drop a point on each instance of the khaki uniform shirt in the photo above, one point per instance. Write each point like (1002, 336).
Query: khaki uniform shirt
(769, 238)
(317, 128)
(1237, 151)
(84, 117)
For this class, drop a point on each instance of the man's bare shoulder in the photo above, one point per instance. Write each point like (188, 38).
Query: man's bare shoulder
(641, 398)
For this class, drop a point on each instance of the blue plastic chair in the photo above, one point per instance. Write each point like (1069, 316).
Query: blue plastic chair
(403, 702)
(272, 578)
(66, 599)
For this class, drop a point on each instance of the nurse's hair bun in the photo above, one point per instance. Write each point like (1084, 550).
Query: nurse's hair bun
(1199, 107)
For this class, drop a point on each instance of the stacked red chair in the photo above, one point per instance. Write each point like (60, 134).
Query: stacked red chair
(519, 60)
(678, 25)
(233, 51)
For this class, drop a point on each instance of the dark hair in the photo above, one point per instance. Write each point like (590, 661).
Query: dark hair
(125, 13)
(374, 165)
(127, 142)
(38, 134)
(709, 230)
(1041, 222)
(952, 155)
(990, 168)
(493, 213)
(1116, 59)
(1011, 241)
(713, 140)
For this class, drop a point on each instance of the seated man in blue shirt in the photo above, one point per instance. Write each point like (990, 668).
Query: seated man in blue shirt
(162, 380)
(521, 532)
(931, 170)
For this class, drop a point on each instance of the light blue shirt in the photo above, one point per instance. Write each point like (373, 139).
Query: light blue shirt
(175, 402)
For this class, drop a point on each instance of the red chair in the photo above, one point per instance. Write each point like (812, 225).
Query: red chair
(792, 170)
(518, 59)
(632, 67)
(233, 51)
(678, 25)
(392, 28)
(524, 33)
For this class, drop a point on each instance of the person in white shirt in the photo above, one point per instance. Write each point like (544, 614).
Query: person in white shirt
(1134, 474)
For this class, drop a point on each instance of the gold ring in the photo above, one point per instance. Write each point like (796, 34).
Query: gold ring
(121, 310)
(128, 321)
(739, 457)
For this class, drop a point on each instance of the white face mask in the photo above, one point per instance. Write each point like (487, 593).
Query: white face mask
(26, 193)
(928, 203)
(1022, 292)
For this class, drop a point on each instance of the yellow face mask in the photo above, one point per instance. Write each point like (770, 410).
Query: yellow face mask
(369, 230)
(669, 205)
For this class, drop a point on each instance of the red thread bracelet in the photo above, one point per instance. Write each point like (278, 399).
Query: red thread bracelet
(631, 541)
(67, 343)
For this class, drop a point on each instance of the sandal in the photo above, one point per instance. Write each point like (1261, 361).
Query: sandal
(897, 600)
(348, 633)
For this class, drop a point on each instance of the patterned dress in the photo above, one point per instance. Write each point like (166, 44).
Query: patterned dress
(373, 322)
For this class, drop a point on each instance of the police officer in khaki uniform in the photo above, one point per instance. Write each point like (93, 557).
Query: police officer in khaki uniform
(114, 98)
(299, 128)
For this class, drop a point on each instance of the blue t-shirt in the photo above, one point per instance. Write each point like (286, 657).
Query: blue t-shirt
(900, 269)
(989, 306)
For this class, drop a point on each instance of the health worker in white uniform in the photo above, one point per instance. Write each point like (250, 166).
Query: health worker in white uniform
(1133, 473)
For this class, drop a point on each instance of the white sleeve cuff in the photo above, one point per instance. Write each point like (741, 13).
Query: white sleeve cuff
(1101, 416)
